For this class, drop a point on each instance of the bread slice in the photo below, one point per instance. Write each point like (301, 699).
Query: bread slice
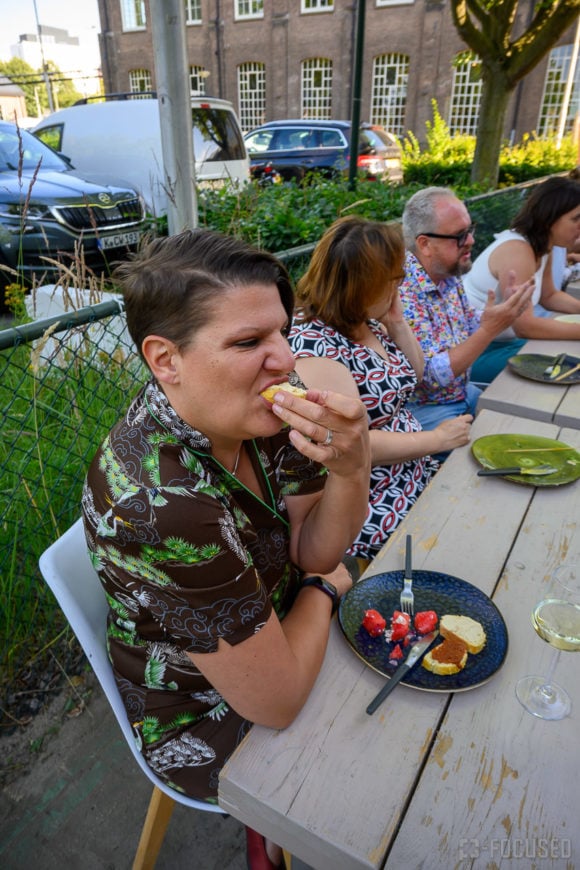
(446, 658)
(270, 392)
(464, 628)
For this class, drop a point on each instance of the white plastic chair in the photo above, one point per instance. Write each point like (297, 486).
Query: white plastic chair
(67, 569)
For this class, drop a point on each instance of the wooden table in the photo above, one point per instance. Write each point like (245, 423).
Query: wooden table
(553, 403)
(435, 780)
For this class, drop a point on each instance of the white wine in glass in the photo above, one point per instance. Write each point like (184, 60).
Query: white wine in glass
(558, 623)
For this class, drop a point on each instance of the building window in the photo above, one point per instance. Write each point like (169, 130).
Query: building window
(249, 9)
(317, 6)
(389, 96)
(197, 77)
(465, 95)
(554, 87)
(139, 80)
(133, 14)
(393, 2)
(193, 11)
(251, 95)
(317, 88)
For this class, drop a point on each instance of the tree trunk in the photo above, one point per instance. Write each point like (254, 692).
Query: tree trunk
(495, 96)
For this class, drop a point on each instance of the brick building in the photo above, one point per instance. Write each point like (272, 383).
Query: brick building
(294, 58)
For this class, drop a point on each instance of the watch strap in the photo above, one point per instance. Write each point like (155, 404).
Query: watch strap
(326, 587)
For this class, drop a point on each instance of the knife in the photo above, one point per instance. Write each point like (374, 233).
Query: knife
(554, 369)
(416, 653)
(536, 471)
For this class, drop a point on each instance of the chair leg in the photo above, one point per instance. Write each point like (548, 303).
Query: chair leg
(154, 828)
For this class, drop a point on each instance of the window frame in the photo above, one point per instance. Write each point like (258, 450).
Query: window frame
(322, 111)
(256, 10)
(190, 12)
(383, 93)
(131, 11)
(252, 112)
(465, 98)
(319, 6)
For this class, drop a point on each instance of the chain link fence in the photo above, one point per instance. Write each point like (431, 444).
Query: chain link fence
(64, 381)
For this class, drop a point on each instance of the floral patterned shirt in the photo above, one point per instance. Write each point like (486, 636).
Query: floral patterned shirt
(187, 555)
(441, 317)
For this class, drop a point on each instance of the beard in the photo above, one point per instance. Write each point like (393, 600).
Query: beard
(460, 268)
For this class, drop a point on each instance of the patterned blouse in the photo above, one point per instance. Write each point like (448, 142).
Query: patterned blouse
(441, 317)
(384, 385)
(187, 555)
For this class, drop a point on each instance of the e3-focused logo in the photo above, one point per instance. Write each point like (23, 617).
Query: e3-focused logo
(104, 198)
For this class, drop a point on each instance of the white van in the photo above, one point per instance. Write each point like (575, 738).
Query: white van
(118, 139)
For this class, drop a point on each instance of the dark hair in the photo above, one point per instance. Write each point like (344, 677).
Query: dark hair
(351, 267)
(543, 207)
(173, 285)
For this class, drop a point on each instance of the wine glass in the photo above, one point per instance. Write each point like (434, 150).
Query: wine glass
(568, 577)
(557, 621)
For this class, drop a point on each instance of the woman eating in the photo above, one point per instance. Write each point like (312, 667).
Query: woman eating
(217, 519)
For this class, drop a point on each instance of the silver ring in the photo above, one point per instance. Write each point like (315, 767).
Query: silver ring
(328, 439)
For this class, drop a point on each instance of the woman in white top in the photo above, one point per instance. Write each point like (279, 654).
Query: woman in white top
(550, 216)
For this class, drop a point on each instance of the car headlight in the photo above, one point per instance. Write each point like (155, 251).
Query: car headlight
(21, 211)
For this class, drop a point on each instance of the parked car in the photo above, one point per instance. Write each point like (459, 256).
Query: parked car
(118, 138)
(294, 148)
(48, 211)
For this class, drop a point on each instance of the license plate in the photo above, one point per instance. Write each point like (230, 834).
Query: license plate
(118, 240)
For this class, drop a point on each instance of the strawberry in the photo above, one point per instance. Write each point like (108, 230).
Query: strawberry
(425, 621)
(374, 623)
(396, 653)
(399, 625)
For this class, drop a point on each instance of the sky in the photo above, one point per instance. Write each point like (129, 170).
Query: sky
(79, 17)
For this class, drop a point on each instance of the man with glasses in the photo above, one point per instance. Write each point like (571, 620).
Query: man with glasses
(439, 238)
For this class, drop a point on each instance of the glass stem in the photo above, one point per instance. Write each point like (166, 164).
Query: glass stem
(546, 688)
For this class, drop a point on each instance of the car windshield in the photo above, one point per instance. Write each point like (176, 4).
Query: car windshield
(216, 136)
(20, 151)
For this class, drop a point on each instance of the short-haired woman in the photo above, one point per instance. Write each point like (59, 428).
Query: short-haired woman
(207, 510)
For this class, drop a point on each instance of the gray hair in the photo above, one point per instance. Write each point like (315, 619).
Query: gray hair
(420, 214)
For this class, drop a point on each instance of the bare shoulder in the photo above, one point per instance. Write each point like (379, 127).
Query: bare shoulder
(326, 374)
(513, 255)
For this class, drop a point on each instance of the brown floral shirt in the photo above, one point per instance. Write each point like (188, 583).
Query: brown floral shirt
(187, 555)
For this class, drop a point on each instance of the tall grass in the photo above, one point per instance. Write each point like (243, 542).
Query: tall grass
(55, 416)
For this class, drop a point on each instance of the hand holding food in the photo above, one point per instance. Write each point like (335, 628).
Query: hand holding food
(328, 427)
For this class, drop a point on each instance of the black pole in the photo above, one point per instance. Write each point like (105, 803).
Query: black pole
(356, 91)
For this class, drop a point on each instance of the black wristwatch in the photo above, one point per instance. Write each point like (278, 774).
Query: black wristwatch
(326, 587)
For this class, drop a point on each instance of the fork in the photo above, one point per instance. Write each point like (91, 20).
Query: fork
(407, 597)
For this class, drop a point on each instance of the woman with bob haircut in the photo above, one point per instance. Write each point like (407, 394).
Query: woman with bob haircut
(350, 313)
(549, 217)
(216, 519)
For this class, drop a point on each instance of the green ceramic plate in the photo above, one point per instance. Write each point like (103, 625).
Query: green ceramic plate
(527, 451)
(533, 366)
(568, 318)
(436, 591)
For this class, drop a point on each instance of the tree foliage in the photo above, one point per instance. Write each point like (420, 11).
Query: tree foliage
(34, 85)
(508, 50)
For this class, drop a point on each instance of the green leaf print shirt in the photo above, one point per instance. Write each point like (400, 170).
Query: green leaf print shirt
(186, 555)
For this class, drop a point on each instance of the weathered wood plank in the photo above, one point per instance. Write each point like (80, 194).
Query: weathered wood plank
(501, 785)
(331, 789)
(511, 394)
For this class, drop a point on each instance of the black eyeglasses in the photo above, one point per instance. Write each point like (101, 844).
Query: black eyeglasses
(460, 238)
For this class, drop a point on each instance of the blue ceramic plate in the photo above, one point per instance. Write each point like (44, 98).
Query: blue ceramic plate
(433, 591)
